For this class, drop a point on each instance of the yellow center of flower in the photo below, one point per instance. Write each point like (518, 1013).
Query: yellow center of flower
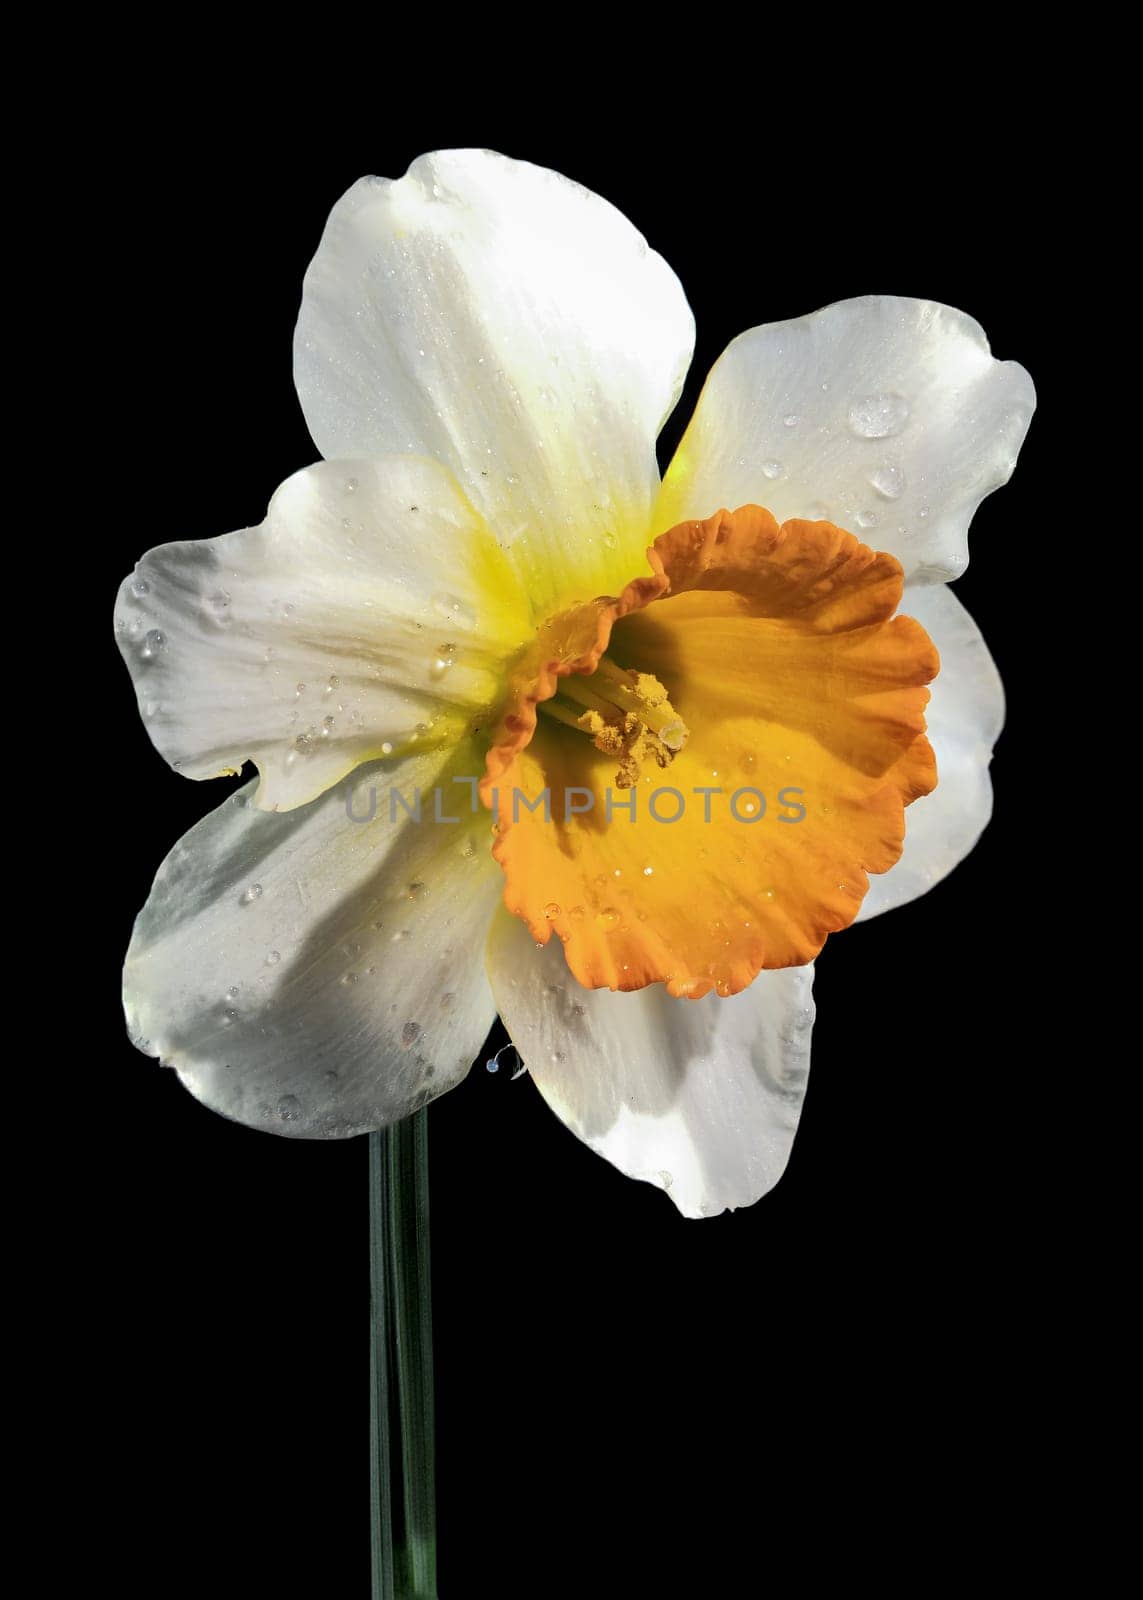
(754, 722)
(627, 715)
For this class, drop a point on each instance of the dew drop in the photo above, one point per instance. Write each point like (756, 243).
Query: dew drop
(648, 871)
(152, 644)
(415, 890)
(748, 761)
(608, 920)
(446, 657)
(386, 748)
(772, 469)
(140, 587)
(552, 910)
(273, 958)
(888, 480)
(452, 609)
(350, 485)
(610, 541)
(252, 893)
(878, 416)
(866, 519)
(791, 420)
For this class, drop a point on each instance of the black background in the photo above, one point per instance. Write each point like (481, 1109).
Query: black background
(621, 1393)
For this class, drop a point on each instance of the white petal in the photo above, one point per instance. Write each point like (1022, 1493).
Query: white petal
(701, 1097)
(886, 416)
(964, 717)
(372, 606)
(316, 975)
(507, 322)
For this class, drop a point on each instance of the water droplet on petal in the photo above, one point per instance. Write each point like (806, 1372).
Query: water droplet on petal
(152, 644)
(791, 419)
(772, 469)
(350, 485)
(878, 416)
(446, 657)
(608, 920)
(888, 480)
(140, 587)
(452, 609)
(867, 519)
(273, 958)
(551, 910)
(249, 895)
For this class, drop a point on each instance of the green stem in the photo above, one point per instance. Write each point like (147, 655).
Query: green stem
(401, 1364)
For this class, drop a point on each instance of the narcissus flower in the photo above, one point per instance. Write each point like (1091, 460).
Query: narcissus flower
(536, 733)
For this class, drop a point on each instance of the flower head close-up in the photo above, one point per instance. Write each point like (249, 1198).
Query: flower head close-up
(538, 733)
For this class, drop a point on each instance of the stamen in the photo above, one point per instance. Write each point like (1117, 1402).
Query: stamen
(626, 713)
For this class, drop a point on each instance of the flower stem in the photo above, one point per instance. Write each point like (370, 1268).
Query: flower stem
(401, 1364)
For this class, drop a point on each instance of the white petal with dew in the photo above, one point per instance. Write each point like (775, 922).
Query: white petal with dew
(513, 325)
(316, 975)
(886, 416)
(371, 608)
(701, 1097)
